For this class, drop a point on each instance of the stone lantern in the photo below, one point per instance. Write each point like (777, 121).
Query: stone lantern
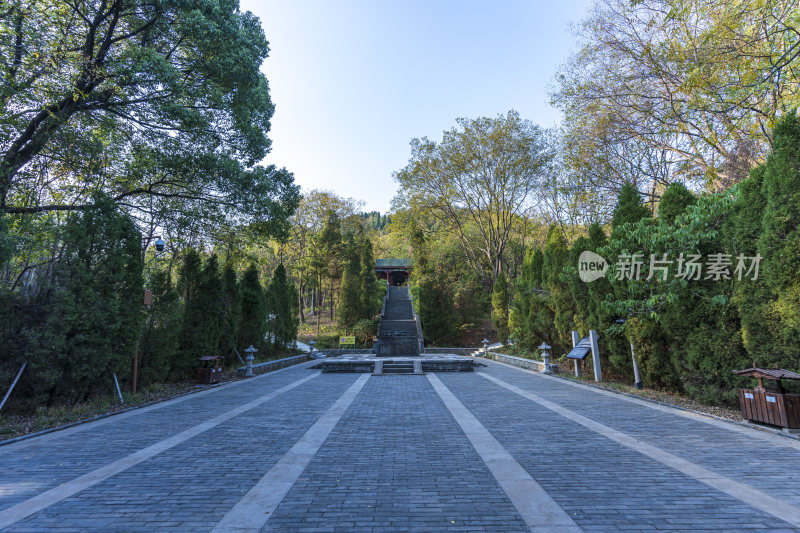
(249, 351)
(545, 348)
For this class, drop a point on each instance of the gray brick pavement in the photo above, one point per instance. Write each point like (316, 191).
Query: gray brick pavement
(39, 464)
(739, 456)
(398, 461)
(191, 486)
(599, 482)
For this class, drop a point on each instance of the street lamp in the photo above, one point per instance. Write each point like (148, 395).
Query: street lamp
(485, 347)
(545, 348)
(148, 302)
(637, 379)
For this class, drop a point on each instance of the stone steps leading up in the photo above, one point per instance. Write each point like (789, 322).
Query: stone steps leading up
(398, 333)
(398, 367)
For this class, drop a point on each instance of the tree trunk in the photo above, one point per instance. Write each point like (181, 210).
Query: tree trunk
(331, 300)
(301, 302)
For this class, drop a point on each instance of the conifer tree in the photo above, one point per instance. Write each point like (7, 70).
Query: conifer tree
(282, 325)
(97, 306)
(368, 291)
(159, 344)
(779, 242)
(500, 307)
(527, 327)
(629, 207)
(674, 202)
(350, 299)
(231, 313)
(202, 319)
(253, 324)
(560, 302)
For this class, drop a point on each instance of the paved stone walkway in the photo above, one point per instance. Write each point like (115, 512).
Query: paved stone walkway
(500, 449)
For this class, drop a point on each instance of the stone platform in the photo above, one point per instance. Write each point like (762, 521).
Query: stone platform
(412, 364)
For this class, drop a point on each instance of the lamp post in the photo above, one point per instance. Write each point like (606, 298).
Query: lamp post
(147, 301)
(637, 379)
(485, 348)
(249, 351)
(545, 348)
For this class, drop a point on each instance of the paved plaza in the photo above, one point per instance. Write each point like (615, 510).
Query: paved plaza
(498, 449)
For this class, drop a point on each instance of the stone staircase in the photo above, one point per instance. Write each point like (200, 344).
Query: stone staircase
(399, 332)
(398, 367)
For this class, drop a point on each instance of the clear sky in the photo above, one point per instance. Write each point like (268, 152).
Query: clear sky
(354, 81)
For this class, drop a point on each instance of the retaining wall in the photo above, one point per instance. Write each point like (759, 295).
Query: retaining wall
(458, 351)
(522, 362)
(261, 368)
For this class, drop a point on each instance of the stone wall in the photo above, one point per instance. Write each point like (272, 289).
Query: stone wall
(269, 366)
(458, 351)
(336, 352)
(521, 362)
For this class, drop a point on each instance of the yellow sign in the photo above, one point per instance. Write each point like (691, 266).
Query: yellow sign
(347, 340)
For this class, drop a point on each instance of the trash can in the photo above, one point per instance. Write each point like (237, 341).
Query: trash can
(210, 370)
(774, 407)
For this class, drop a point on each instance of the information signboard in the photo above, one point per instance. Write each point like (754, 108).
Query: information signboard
(581, 350)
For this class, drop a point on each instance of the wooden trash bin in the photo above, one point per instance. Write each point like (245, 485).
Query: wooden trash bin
(776, 407)
(210, 370)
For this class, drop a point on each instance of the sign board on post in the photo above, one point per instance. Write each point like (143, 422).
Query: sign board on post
(582, 348)
(347, 340)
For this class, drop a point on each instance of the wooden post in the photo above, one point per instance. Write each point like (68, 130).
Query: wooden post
(135, 369)
(637, 379)
(598, 373)
(575, 339)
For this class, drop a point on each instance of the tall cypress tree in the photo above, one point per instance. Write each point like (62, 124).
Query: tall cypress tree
(159, 343)
(97, 305)
(629, 207)
(560, 302)
(674, 202)
(500, 307)
(202, 318)
(282, 320)
(368, 290)
(779, 243)
(652, 346)
(253, 324)
(350, 299)
(231, 306)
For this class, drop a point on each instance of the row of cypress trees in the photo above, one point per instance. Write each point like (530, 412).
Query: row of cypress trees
(78, 318)
(210, 310)
(688, 334)
(360, 298)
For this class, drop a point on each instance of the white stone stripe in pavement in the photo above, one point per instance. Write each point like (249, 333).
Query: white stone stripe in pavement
(41, 501)
(537, 508)
(257, 506)
(747, 494)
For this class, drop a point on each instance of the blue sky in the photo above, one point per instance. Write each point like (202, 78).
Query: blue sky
(354, 81)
